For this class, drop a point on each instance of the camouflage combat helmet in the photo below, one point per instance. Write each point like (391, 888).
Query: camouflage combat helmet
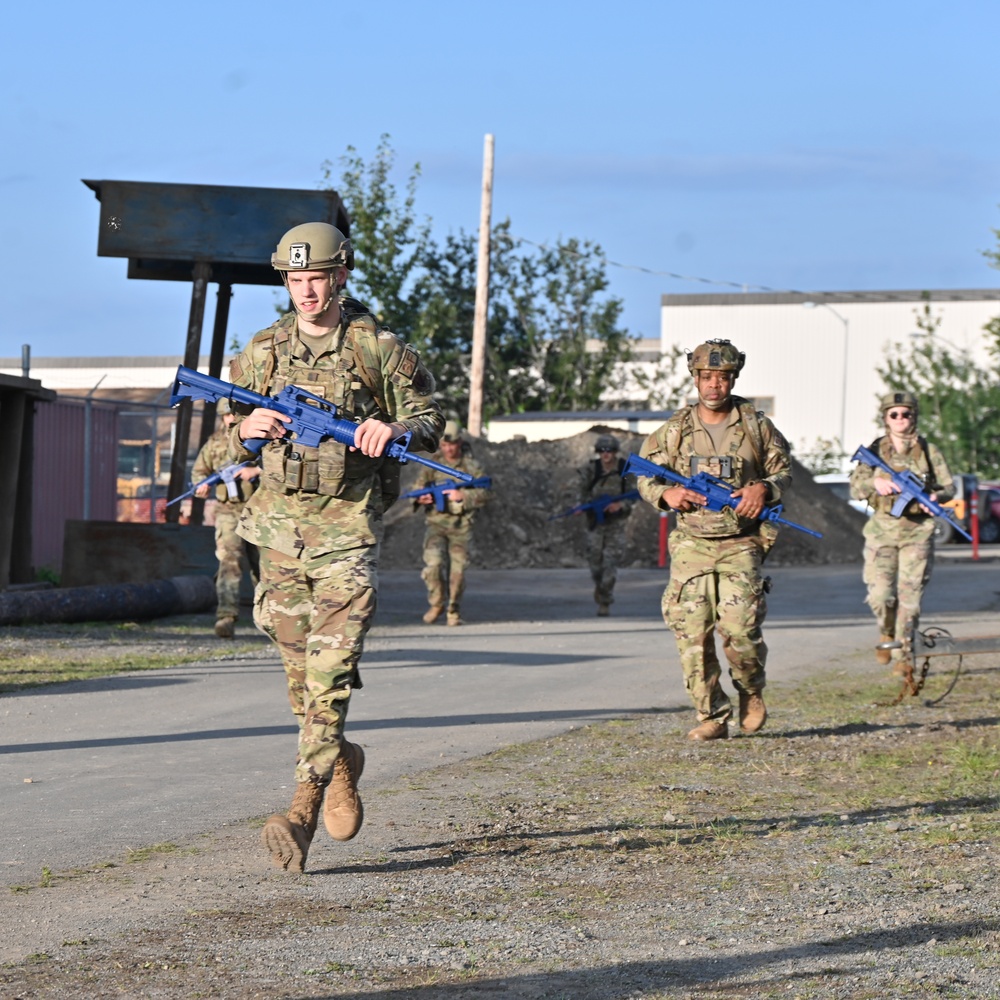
(716, 355)
(313, 246)
(898, 398)
(606, 442)
(452, 432)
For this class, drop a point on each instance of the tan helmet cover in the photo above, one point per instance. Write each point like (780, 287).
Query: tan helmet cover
(716, 355)
(313, 246)
(452, 432)
(898, 398)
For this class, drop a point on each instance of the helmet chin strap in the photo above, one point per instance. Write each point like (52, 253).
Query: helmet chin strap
(716, 404)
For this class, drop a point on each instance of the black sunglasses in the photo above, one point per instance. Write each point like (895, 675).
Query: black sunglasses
(900, 414)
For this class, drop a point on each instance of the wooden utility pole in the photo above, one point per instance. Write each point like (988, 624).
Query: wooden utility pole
(475, 422)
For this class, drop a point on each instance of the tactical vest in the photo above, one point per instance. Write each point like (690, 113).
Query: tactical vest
(599, 485)
(882, 447)
(680, 428)
(352, 380)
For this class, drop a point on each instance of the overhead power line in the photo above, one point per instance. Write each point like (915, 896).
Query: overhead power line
(741, 285)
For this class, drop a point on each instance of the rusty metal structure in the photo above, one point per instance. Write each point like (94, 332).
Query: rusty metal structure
(18, 398)
(928, 644)
(202, 234)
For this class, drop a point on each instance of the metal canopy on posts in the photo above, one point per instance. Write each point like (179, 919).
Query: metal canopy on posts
(202, 233)
(17, 411)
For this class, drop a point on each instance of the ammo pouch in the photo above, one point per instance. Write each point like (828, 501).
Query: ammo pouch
(330, 470)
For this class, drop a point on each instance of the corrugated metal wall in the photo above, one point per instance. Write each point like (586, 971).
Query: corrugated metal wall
(60, 472)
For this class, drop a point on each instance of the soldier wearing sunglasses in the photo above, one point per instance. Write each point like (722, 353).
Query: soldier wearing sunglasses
(899, 551)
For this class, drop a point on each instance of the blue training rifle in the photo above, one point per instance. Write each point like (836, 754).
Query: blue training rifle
(312, 417)
(911, 488)
(598, 505)
(228, 475)
(718, 494)
(438, 490)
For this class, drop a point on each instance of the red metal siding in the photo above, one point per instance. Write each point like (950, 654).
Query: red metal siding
(59, 473)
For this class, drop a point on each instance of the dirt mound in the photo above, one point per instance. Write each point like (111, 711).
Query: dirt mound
(531, 482)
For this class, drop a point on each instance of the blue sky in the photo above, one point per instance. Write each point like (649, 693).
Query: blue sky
(781, 145)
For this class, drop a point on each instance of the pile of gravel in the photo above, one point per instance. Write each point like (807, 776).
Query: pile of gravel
(533, 481)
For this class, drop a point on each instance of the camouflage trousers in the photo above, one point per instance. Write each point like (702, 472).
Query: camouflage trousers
(446, 554)
(715, 585)
(235, 556)
(899, 557)
(318, 612)
(605, 550)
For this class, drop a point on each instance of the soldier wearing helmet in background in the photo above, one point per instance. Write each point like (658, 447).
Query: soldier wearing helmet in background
(715, 556)
(602, 476)
(899, 551)
(448, 531)
(317, 516)
(234, 554)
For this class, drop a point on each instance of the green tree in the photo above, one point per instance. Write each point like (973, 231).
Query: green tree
(564, 348)
(554, 340)
(390, 242)
(959, 402)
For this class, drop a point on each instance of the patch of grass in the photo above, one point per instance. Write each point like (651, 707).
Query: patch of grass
(141, 854)
(35, 655)
(19, 673)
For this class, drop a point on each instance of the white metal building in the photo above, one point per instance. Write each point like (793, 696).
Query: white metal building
(813, 358)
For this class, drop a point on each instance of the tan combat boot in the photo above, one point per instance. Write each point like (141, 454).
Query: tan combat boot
(710, 730)
(603, 610)
(343, 812)
(432, 614)
(288, 837)
(225, 628)
(753, 712)
(883, 656)
(454, 618)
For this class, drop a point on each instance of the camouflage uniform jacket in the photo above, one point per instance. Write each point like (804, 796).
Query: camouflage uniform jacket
(328, 498)
(461, 512)
(213, 457)
(920, 457)
(594, 482)
(752, 447)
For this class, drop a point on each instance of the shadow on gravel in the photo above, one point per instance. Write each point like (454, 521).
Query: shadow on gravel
(451, 657)
(601, 714)
(629, 979)
(414, 722)
(126, 741)
(510, 843)
(859, 728)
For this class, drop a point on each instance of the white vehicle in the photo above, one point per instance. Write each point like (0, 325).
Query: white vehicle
(839, 484)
